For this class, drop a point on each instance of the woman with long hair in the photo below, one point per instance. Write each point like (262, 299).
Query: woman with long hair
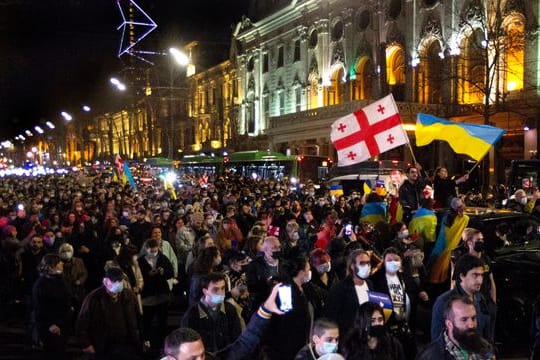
(207, 261)
(51, 299)
(368, 338)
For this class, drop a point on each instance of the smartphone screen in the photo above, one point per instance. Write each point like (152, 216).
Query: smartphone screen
(285, 298)
(348, 229)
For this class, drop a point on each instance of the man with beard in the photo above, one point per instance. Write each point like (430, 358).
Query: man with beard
(468, 274)
(460, 339)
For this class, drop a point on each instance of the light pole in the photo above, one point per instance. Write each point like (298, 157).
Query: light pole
(181, 59)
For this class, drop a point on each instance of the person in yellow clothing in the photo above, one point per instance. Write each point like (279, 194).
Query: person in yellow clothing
(452, 226)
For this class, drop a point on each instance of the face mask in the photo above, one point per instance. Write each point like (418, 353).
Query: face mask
(66, 256)
(295, 237)
(115, 287)
(216, 299)
(329, 348)
(217, 261)
(210, 222)
(308, 278)
(479, 246)
(48, 240)
(276, 254)
(324, 268)
(363, 271)
(377, 331)
(125, 214)
(79, 209)
(523, 201)
(403, 234)
(226, 226)
(151, 254)
(393, 266)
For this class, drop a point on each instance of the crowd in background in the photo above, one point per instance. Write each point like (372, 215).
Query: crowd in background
(104, 263)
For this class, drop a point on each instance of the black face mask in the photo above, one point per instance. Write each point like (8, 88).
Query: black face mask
(277, 254)
(377, 331)
(479, 246)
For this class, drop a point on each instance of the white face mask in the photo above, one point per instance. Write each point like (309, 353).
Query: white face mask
(403, 234)
(308, 278)
(363, 271)
(523, 201)
(392, 266)
(323, 268)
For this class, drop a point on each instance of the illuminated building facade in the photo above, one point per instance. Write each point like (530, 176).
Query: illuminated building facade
(306, 63)
(212, 100)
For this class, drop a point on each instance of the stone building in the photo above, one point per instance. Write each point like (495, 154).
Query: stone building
(303, 63)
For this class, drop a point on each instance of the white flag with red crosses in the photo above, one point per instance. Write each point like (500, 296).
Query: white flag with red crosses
(368, 132)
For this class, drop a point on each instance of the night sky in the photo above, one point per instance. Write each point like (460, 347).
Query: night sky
(58, 54)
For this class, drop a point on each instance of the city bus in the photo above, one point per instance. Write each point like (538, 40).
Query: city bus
(201, 164)
(269, 164)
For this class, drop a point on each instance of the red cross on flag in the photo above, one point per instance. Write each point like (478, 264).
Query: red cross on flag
(368, 132)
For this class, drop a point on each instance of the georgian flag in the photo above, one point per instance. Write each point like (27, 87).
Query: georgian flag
(368, 132)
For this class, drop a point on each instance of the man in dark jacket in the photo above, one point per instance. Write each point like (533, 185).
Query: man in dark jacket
(410, 193)
(468, 274)
(186, 343)
(107, 324)
(216, 320)
(459, 339)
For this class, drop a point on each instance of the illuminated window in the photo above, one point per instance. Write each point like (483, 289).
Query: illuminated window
(514, 56)
(429, 75)
(395, 65)
(335, 92)
(362, 83)
(472, 70)
(314, 92)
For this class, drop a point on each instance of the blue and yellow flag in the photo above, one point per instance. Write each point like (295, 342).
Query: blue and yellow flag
(447, 240)
(383, 300)
(464, 138)
(373, 212)
(424, 225)
(336, 190)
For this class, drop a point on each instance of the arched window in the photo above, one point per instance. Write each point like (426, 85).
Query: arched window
(430, 75)
(362, 82)
(313, 92)
(472, 69)
(514, 56)
(395, 71)
(335, 92)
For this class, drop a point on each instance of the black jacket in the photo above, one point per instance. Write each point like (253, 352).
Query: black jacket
(156, 284)
(257, 277)
(435, 350)
(217, 333)
(93, 325)
(342, 304)
(51, 299)
(411, 289)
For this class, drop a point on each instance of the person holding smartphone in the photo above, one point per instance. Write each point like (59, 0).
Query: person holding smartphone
(287, 334)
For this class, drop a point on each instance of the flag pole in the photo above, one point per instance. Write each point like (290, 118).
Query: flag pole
(412, 153)
(477, 163)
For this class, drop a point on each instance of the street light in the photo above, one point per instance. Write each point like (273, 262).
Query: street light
(119, 85)
(66, 116)
(38, 129)
(180, 57)
(86, 108)
(183, 60)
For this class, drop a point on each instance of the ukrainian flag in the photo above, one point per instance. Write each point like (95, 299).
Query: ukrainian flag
(469, 139)
(373, 212)
(424, 225)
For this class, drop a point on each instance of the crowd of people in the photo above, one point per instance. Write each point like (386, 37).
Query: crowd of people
(104, 263)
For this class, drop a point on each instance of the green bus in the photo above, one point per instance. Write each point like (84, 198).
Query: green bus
(201, 164)
(270, 164)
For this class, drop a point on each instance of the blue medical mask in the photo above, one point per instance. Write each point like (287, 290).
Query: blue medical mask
(329, 348)
(217, 299)
(393, 266)
(363, 271)
(116, 287)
